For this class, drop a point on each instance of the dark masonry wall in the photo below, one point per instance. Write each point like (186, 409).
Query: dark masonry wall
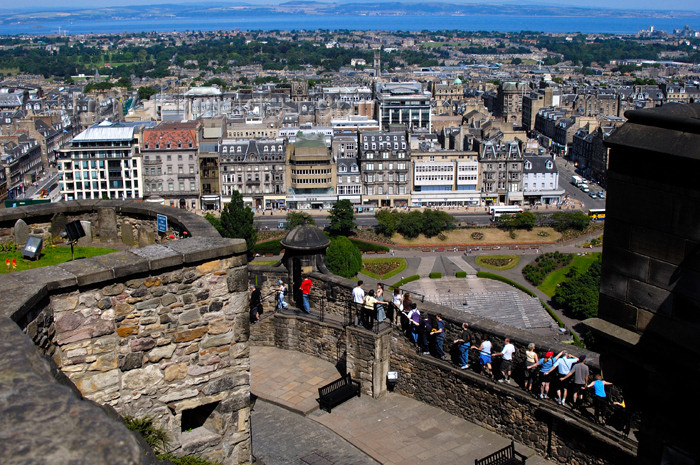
(649, 309)
(159, 331)
(367, 356)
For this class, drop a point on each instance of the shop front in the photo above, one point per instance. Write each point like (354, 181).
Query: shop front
(311, 202)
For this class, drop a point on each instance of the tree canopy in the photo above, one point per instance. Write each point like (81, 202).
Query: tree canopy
(342, 219)
(237, 220)
(298, 219)
(578, 294)
(343, 257)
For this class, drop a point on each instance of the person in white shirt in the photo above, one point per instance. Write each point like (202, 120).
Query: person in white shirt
(280, 296)
(485, 357)
(358, 299)
(506, 360)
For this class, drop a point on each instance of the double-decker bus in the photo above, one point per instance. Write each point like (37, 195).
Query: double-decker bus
(596, 214)
(498, 211)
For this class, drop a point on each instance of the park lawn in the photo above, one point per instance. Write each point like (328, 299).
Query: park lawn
(50, 256)
(400, 266)
(491, 236)
(581, 262)
(264, 262)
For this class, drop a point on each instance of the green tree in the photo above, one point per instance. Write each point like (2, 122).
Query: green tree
(342, 219)
(435, 222)
(237, 220)
(570, 220)
(522, 220)
(146, 92)
(387, 222)
(578, 294)
(298, 219)
(343, 257)
(410, 224)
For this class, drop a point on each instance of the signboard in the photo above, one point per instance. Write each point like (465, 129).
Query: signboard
(162, 223)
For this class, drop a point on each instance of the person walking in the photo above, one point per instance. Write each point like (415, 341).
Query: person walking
(381, 305)
(579, 373)
(506, 355)
(531, 360)
(281, 291)
(305, 287)
(439, 334)
(563, 362)
(546, 363)
(485, 357)
(414, 323)
(465, 342)
(425, 329)
(600, 398)
(255, 303)
(358, 300)
(395, 306)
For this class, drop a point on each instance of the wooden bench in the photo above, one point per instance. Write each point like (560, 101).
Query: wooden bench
(337, 392)
(506, 456)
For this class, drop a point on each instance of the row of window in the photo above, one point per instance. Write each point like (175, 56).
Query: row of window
(158, 187)
(168, 157)
(389, 177)
(169, 145)
(239, 148)
(382, 166)
(370, 190)
(384, 155)
(312, 181)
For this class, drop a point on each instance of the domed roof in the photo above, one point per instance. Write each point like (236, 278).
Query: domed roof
(305, 237)
(458, 81)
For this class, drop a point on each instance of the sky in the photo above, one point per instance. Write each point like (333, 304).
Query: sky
(693, 5)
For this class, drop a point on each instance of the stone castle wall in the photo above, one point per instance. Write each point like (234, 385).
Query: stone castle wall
(159, 331)
(505, 409)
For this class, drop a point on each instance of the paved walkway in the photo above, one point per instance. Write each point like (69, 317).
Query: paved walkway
(391, 430)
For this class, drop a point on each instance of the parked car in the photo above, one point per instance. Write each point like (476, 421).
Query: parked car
(593, 195)
(601, 194)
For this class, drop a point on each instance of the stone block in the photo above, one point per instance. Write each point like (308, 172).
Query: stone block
(160, 353)
(216, 340)
(131, 361)
(189, 334)
(88, 271)
(189, 316)
(209, 267)
(142, 344)
(21, 231)
(93, 383)
(127, 234)
(656, 244)
(159, 257)
(141, 378)
(123, 263)
(649, 297)
(237, 280)
(175, 371)
(626, 263)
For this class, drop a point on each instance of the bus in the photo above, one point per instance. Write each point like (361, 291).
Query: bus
(596, 214)
(497, 211)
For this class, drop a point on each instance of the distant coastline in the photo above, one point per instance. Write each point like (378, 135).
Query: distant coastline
(468, 22)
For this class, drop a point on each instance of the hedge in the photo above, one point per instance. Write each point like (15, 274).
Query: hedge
(274, 247)
(461, 274)
(435, 275)
(400, 283)
(368, 246)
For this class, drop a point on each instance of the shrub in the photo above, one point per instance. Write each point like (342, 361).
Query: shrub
(273, 247)
(343, 257)
(461, 274)
(545, 264)
(403, 281)
(435, 275)
(155, 437)
(477, 236)
(570, 220)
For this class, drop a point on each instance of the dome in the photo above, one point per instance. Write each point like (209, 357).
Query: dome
(458, 81)
(305, 237)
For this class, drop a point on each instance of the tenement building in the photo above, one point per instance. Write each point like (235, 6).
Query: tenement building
(403, 103)
(501, 173)
(256, 169)
(385, 165)
(170, 165)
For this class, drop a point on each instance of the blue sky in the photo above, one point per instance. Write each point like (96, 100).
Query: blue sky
(693, 5)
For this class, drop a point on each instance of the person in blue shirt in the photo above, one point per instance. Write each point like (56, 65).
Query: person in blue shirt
(563, 362)
(439, 334)
(545, 363)
(600, 398)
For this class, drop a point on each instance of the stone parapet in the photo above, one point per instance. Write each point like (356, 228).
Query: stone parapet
(160, 331)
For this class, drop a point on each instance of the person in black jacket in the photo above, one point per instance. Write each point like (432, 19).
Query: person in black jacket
(255, 303)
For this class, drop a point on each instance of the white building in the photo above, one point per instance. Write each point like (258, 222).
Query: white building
(104, 161)
(541, 180)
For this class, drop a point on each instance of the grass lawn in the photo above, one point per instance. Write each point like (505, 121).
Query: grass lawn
(393, 266)
(264, 262)
(491, 236)
(493, 261)
(50, 256)
(581, 262)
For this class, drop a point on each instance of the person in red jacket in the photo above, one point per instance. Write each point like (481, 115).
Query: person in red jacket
(305, 287)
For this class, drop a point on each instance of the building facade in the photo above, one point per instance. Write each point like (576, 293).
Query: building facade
(501, 173)
(385, 164)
